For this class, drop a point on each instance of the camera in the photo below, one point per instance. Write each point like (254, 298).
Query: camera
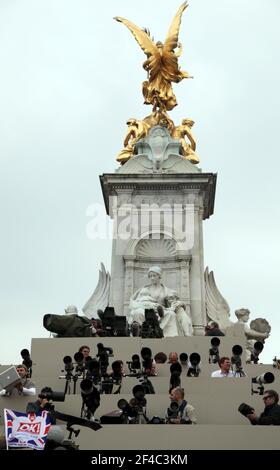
(27, 361)
(147, 361)
(236, 360)
(133, 412)
(150, 327)
(104, 353)
(236, 355)
(183, 358)
(175, 379)
(245, 409)
(112, 324)
(134, 365)
(157, 420)
(266, 378)
(276, 362)
(48, 394)
(172, 411)
(258, 347)
(194, 369)
(214, 356)
(90, 397)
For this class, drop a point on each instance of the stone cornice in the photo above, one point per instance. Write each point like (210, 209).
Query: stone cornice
(203, 183)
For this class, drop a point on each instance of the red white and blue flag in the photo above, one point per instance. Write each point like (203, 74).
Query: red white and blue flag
(26, 430)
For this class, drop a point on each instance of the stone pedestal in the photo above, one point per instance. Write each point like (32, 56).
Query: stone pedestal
(158, 201)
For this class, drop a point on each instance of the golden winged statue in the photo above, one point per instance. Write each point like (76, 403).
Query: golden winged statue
(161, 64)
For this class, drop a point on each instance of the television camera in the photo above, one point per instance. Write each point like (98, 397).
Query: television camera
(236, 362)
(112, 324)
(27, 361)
(175, 377)
(150, 327)
(258, 347)
(194, 361)
(261, 380)
(214, 355)
(134, 411)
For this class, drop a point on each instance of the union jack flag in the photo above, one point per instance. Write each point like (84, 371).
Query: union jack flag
(26, 430)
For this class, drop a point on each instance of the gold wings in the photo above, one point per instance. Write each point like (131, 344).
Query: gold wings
(171, 41)
(143, 39)
(146, 43)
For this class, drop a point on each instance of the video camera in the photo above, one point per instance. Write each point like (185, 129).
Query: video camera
(258, 347)
(266, 378)
(90, 397)
(194, 369)
(103, 353)
(147, 361)
(79, 365)
(276, 362)
(175, 377)
(27, 361)
(236, 360)
(48, 394)
(112, 324)
(245, 409)
(134, 412)
(172, 411)
(150, 327)
(134, 365)
(183, 358)
(214, 356)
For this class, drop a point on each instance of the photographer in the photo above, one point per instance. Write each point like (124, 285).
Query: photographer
(43, 403)
(271, 413)
(225, 368)
(25, 387)
(212, 329)
(180, 411)
(173, 358)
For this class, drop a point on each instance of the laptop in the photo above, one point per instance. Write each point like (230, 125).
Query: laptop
(9, 378)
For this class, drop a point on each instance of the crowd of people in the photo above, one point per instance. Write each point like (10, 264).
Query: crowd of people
(181, 411)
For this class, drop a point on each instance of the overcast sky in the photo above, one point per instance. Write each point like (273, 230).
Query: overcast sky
(70, 78)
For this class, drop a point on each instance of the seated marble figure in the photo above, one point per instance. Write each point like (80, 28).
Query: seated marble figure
(172, 312)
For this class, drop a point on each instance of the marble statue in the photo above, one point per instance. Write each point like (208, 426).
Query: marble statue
(174, 319)
(258, 330)
(71, 309)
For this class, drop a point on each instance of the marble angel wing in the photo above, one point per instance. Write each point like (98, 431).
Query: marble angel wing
(100, 296)
(217, 308)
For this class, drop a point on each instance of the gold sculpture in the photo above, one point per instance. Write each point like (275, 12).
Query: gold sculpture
(179, 133)
(136, 131)
(161, 64)
(163, 70)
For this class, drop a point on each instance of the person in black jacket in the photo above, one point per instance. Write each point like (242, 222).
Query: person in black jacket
(212, 329)
(271, 413)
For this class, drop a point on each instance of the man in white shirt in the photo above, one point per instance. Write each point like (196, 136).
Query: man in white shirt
(225, 370)
(24, 387)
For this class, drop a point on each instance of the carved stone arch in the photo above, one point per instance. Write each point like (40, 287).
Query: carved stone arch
(164, 251)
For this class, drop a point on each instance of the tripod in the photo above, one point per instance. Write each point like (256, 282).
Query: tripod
(238, 372)
(141, 417)
(70, 377)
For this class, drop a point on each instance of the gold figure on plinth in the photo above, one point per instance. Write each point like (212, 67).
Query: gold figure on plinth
(179, 133)
(136, 131)
(161, 64)
(163, 69)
